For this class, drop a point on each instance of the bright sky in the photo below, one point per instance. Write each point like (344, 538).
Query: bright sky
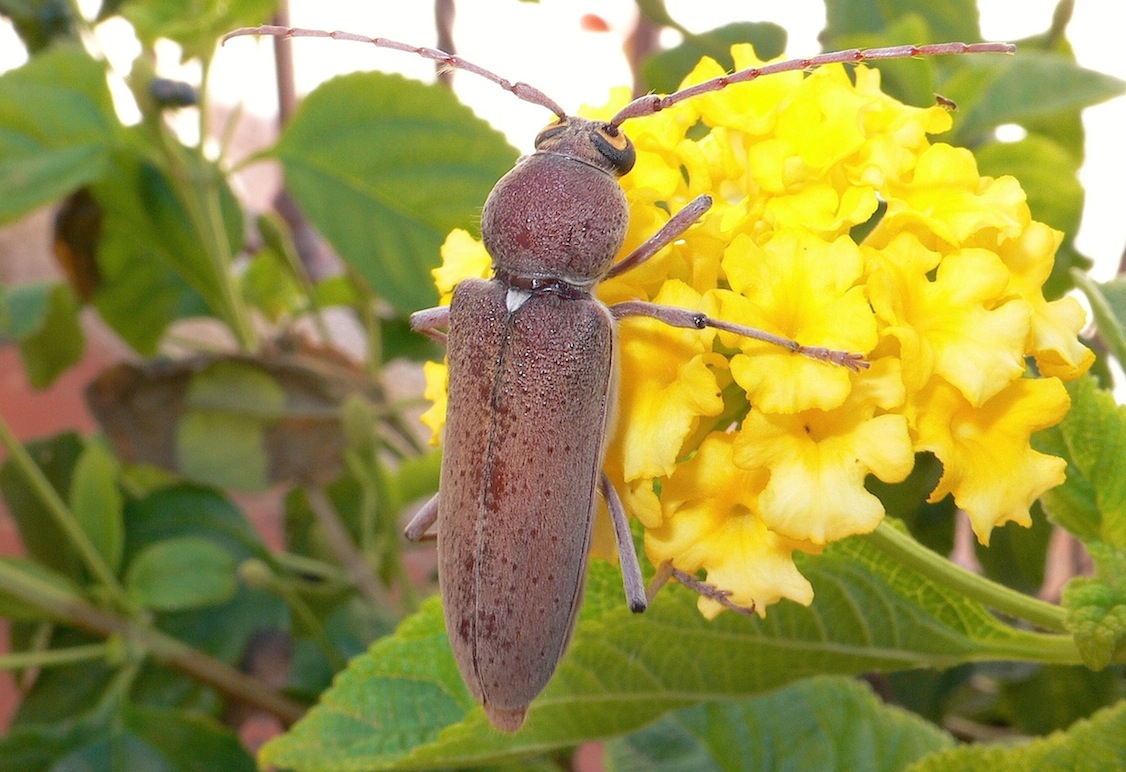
(575, 67)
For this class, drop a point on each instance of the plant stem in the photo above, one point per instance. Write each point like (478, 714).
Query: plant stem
(304, 614)
(62, 516)
(341, 544)
(200, 199)
(54, 657)
(300, 564)
(73, 611)
(915, 556)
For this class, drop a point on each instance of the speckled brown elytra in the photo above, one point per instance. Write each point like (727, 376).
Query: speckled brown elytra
(532, 380)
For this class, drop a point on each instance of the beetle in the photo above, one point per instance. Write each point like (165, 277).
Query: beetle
(532, 376)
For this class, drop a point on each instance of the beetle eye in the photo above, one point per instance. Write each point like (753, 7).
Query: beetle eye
(615, 147)
(551, 130)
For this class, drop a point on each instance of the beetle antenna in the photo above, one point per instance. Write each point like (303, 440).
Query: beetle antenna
(647, 105)
(521, 90)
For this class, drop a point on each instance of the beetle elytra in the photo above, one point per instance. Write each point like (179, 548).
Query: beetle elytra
(532, 386)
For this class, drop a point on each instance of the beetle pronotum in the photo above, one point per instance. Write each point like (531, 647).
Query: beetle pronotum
(531, 385)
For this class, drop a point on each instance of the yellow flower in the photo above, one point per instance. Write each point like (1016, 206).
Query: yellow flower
(953, 325)
(805, 288)
(817, 460)
(437, 382)
(710, 522)
(734, 453)
(945, 200)
(988, 463)
(1054, 325)
(463, 257)
(668, 384)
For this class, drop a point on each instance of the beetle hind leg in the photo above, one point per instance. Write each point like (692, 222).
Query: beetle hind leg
(422, 520)
(667, 571)
(627, 555)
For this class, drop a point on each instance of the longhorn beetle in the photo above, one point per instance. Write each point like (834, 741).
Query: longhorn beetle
(532, 379)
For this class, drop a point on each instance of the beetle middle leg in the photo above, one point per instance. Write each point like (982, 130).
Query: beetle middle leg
(682, 317)
(429, 320)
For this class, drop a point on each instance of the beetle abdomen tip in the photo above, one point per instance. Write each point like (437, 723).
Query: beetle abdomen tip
(506, 719)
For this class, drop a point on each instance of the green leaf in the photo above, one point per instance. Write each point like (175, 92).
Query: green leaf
(1030, 86)
(151, 257)
(394, 706)
(819, 723)
(302, 532)
(929, 693)
(1108, 301)
(96, 503)
(665, 70)
(43, 318)
(223, 631)
(1047, 172)
(124, 736)
(57, 128)
(955, 20)
(1092, 505)
(1094, 744)
(1016, 555)
(182, 573)
(932, 524)
(1096, 607)
(222, 437)
(1092, 438)
(385, 168)
(270, 286)
(415, 478)
(336, 290)
(40, 22)
(913, 81)
(197, 25)
(39, 534)
(1053, 698)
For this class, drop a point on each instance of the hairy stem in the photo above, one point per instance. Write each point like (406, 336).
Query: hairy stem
(985, 591)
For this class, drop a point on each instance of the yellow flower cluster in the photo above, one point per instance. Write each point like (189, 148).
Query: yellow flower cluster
(734, 453)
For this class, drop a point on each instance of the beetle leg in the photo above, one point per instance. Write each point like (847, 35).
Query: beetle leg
(671, 231)
(659, 580)
(682, 317)
(422, 520)
(627, 555)
(667, 571)
(429, 320)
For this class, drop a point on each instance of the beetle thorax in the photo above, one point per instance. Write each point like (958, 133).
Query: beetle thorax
(561, 213)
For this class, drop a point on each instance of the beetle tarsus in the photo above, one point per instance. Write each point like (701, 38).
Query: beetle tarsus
(711, 592)
(854, 362)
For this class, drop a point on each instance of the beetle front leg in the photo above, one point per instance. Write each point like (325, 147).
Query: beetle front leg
(627, 555)
(429, 320)
(682, 317)
(669, 233)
